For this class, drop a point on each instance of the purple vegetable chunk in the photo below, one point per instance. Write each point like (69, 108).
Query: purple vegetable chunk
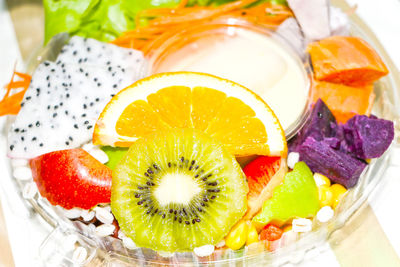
(333, 142)
(338, 150)
(320, 124)
(368, 137)
(338, 166)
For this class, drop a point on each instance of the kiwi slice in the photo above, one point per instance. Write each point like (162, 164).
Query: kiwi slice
(177, 190)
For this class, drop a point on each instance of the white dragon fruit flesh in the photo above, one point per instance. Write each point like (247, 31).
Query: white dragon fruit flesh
(64, 100)
(92, 52)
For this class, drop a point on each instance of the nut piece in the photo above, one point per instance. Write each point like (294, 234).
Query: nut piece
(325, 214)
(79, 255)
(301, 225)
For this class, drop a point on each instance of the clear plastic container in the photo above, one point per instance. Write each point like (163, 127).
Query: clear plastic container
(59, 248)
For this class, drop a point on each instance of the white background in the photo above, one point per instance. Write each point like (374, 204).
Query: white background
(383, 17)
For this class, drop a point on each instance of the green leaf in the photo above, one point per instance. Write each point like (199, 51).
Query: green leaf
(63, 15)
(104, 20)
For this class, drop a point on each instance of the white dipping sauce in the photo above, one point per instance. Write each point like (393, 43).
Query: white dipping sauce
(252, 59)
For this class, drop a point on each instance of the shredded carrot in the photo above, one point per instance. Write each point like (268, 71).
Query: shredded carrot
(181, 15)
(11, 103)
(162, 22)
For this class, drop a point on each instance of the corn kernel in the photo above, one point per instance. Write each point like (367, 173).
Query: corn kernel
(238, 235)
(321, 180)
(325, 196)
(338, 192)
(258, 226)
(252, 235)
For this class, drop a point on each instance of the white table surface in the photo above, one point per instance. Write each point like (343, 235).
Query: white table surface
(383, 17)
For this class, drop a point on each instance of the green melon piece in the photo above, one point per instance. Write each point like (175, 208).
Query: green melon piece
(297, 197)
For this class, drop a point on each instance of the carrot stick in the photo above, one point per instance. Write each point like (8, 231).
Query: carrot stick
(163, 21)
(11, 103)
(199, 13)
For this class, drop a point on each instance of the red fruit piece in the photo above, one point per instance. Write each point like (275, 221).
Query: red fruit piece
(72, 178)
(263, 175)
(270, 232)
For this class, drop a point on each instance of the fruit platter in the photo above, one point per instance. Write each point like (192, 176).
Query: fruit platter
(199, 133)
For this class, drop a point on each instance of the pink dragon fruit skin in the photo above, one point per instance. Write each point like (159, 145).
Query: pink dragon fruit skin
(368, 137)
(339, 166)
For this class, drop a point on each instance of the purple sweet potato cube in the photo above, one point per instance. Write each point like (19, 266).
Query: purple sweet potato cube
(337, 165)
(320, 124)
(333, 142)
(368, 137)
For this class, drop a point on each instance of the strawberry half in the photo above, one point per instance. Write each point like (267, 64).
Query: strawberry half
(263, 175)
(72, 178)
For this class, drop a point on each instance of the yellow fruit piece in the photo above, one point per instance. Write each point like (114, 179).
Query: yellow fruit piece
(338, 192)
(252, 235)
(258, 226)
(224, 110)
(321, 180)
(325, 196)
(237, 237)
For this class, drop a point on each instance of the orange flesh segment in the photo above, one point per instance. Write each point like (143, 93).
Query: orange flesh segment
(344, 101)
(227, 119)
(173, 105)
(236, 122)
(346, 60)
(139, 119)
(204, 107)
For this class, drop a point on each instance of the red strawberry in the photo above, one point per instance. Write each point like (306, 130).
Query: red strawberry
(72, 178)
(263, 175)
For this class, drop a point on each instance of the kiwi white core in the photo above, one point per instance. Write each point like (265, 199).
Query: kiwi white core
(176, 188)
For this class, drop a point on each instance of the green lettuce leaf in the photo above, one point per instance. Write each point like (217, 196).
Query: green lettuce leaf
(103, 20)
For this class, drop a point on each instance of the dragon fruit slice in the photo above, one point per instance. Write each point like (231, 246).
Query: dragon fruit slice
(88, 51)
(61, 106)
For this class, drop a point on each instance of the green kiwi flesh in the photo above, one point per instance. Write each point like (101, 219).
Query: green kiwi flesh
(115, 154)
(177, 190)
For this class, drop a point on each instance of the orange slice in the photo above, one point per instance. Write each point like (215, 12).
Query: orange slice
(224, 110)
